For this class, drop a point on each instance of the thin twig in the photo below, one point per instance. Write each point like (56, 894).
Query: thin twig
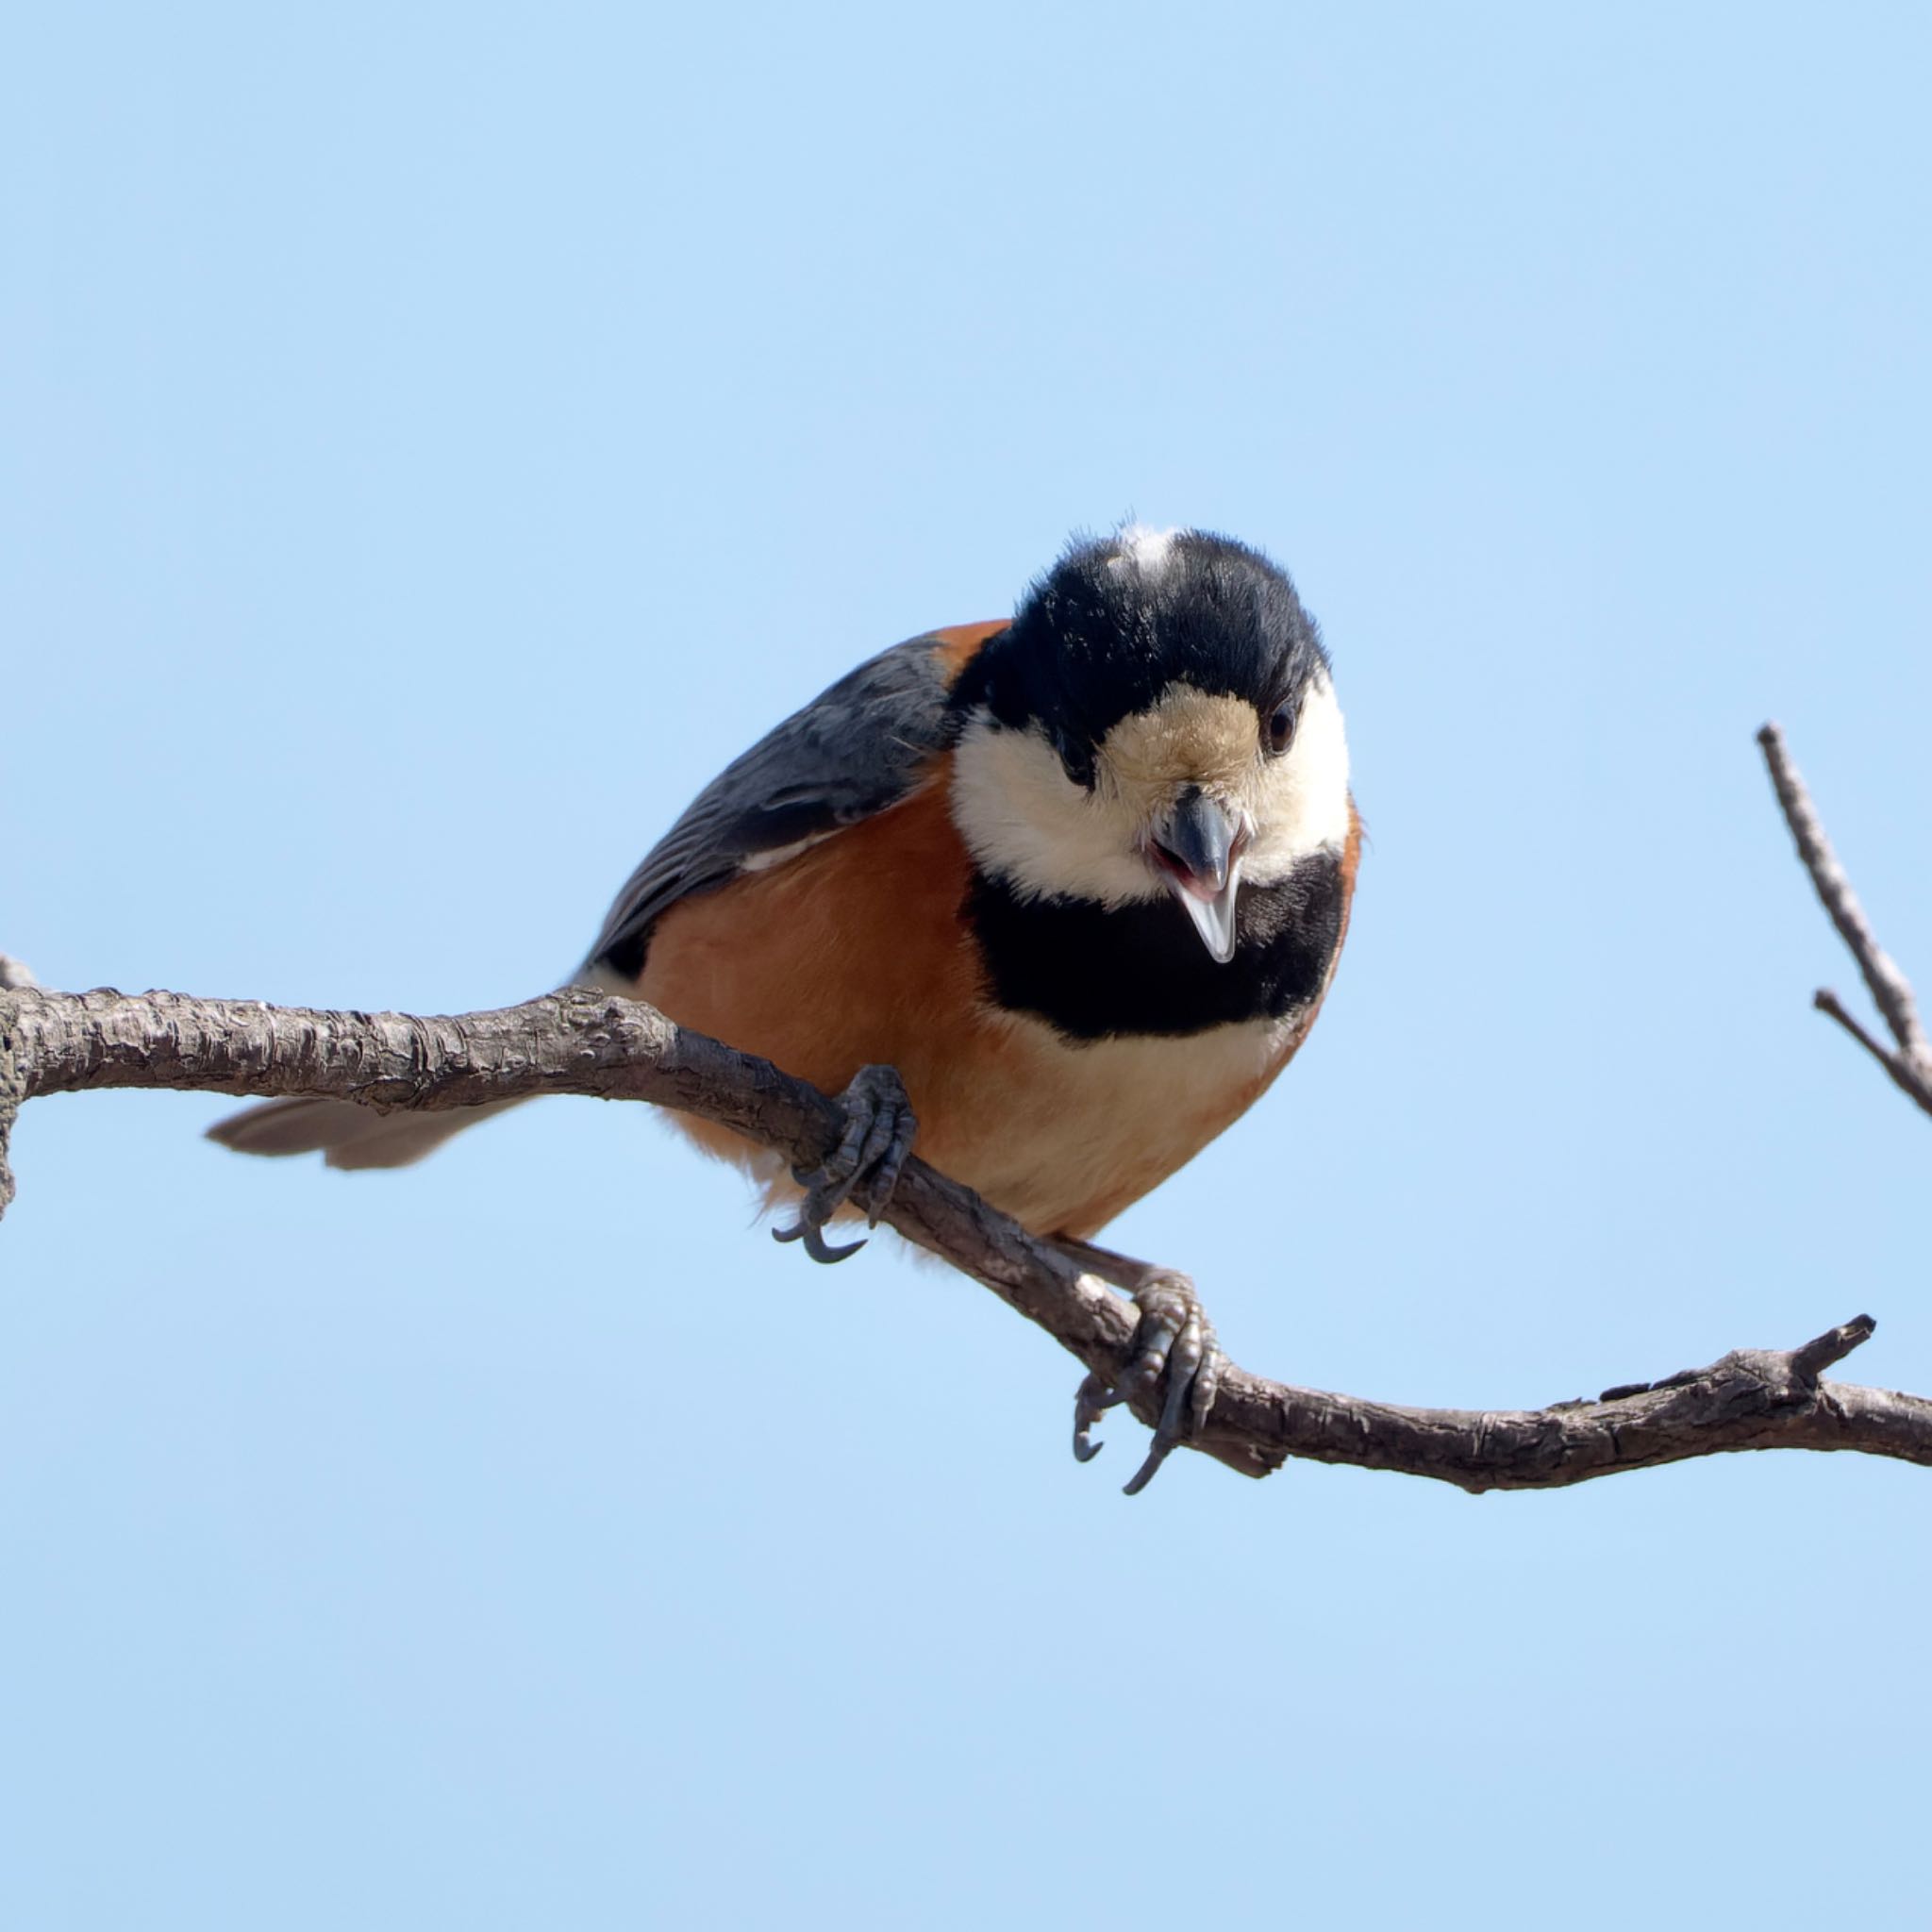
(1910, 1065)
(589, 1043)
(1906, 1073)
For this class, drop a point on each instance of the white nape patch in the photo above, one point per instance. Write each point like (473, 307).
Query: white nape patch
(1026, 821)
(780, 854)
(1146, 549)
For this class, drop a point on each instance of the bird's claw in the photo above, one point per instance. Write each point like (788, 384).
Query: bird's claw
(879, 1129)
(1175, 1338)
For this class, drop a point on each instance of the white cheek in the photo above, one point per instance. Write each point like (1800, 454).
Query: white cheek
(1300, 801)
(1024, 821)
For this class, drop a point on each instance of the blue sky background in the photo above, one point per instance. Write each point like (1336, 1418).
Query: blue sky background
(435, 439)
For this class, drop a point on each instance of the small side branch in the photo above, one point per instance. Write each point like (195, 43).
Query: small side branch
(1909, 1061)
(616, 1049)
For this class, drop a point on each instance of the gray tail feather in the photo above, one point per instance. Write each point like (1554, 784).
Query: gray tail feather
(344, 1134)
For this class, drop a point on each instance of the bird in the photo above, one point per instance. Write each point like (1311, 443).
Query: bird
(1060, 895)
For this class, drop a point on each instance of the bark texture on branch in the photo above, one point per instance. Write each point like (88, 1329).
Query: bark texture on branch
(591, 1043)
(1909, 1061)
(15, 977)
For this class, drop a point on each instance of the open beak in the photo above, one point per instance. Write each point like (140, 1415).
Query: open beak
(1198, 852)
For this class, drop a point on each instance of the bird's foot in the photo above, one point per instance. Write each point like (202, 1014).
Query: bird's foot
(879, 1128)
(1175, 1339)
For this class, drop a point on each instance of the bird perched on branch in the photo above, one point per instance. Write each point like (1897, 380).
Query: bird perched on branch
(1068, 891)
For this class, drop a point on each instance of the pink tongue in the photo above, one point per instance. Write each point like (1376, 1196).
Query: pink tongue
(1183, 878)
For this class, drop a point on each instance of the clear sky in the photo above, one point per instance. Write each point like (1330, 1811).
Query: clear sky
(435, 439)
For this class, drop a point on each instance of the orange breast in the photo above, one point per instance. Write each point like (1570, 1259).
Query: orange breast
(852, 952)
(855, 952)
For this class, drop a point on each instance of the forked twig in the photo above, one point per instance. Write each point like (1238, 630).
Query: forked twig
(1909, 1061)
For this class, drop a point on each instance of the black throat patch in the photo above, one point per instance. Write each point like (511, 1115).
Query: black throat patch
(1094, 973)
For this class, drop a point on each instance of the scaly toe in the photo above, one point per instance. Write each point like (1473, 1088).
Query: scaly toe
(1092, 1399)
(890, 1165)
(1175, 1339)
(879, 1130)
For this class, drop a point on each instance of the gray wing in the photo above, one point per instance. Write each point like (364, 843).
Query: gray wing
(853, 751)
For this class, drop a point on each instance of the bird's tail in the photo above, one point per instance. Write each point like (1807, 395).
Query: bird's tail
(344, 1134)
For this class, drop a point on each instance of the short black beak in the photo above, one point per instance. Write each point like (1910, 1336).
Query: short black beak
(1198, 840)
(1199, 853)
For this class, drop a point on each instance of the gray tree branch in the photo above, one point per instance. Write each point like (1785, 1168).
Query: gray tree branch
(15, 977)
(1909, 1061)
(615, 1049)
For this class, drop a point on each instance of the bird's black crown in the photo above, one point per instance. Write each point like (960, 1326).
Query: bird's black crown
(1119, 619)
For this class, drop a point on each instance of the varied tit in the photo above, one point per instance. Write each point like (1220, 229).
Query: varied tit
(1067, 890)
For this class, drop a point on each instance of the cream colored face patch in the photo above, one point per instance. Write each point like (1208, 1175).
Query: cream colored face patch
(1189, 738)
(1026, 821)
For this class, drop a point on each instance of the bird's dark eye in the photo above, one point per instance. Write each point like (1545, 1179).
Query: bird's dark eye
(1280, 730)
(1075, 758)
